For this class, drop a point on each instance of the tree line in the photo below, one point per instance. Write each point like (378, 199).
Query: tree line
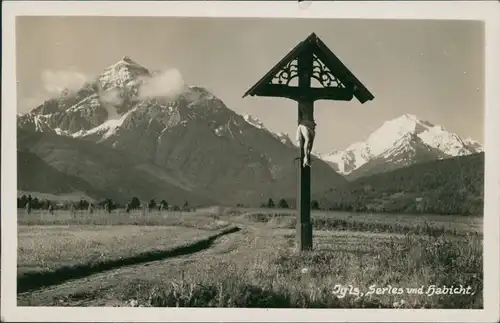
(33, 203)
(284, 204)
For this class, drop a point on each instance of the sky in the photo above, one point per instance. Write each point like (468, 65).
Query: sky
(430, 68)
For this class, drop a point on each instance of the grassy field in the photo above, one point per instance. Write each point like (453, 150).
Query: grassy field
(277, 277)
(200, 219)
(46, 248)
(391, 223)
(256, 266)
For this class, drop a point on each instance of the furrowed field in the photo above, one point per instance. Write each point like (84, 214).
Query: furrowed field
(228, 257)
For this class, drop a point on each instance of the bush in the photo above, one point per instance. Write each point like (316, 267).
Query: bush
(283, 204)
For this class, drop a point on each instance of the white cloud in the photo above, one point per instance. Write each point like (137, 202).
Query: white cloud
(112, 97)
(56, 81)
(167, 84)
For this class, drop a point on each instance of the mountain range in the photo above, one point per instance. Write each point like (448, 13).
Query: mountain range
(135, 132)
(132, 132)
(397, 143)
(400, 142)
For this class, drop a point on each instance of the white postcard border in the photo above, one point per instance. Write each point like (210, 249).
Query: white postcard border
(487, 11)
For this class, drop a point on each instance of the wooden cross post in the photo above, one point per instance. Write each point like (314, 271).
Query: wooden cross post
(309, 61)
(305, 111)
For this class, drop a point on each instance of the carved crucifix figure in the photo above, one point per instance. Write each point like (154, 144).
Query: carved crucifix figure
(306, 131)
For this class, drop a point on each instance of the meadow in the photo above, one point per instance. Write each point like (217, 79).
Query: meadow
(247, 258)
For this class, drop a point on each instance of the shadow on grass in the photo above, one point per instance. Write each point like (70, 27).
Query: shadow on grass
(32, 281)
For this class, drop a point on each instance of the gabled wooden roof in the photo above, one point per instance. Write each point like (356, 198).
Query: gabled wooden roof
(327, 57)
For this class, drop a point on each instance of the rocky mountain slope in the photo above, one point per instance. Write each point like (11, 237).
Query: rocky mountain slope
(449, 186)
(283, 137)
(38, 176)
(54, 164)
(153, 134)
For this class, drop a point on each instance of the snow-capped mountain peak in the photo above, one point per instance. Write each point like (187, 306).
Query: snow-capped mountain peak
(283, 137)
(125, 72)
(406, 134)
(474, 144)
(254, 121)
(127, 62)
(391, 131)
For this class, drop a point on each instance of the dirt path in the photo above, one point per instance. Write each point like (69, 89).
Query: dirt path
(116, 285)
(36, 280)
(107, 288)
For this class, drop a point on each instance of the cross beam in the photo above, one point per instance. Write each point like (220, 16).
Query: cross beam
(310, 60)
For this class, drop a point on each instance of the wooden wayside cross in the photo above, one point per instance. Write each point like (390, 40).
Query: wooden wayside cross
(309, 72)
